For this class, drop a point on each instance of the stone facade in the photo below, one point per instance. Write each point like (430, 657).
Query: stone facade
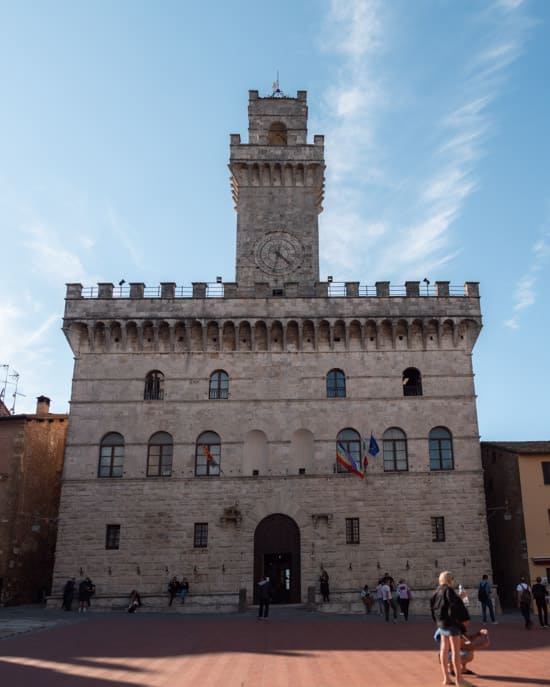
(31, 461)
(274, 499)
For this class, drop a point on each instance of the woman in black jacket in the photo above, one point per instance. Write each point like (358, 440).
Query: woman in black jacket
(449, 612)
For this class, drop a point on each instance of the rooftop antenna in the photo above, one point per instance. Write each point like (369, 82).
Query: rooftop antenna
(5, 382)
(15, 376)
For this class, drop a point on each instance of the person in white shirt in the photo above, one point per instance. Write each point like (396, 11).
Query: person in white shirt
(404, 597)
(525, 599)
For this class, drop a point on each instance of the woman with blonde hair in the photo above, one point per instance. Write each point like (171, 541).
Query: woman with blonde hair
(449, 612)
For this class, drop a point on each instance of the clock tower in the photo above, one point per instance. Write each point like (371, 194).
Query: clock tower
(277, 180)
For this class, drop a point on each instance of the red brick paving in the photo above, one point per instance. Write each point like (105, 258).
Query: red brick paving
(236, 651)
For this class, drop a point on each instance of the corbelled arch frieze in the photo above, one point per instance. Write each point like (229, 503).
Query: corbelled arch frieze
(276, 335)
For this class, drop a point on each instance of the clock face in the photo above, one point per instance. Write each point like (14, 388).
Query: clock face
(278, 253)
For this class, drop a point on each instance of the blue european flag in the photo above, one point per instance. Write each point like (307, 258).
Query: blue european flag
(373, 446)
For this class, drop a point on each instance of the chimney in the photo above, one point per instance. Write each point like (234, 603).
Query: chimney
(42, 405)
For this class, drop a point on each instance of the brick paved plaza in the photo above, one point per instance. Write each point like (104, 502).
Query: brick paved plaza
(292, 648)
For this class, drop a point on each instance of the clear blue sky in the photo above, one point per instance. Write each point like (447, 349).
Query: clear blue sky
(114, 142)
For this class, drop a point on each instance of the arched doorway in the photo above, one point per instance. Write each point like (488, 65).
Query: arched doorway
(277, 555)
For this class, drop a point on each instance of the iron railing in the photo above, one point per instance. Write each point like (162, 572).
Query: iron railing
(216, 290)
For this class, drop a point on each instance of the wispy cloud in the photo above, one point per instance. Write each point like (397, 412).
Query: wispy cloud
(420, 205)
(525, 291)
(27, 346)
(50, 255)
(124, 235)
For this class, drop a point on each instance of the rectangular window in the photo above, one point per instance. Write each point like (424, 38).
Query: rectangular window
(112, 536)
(546, 472)
(352, 530)
(438, 529)
(200, 540)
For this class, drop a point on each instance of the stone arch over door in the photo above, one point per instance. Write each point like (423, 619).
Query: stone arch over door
(277, 554)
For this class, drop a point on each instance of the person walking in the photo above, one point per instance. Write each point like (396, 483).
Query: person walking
(325, 590)
(388, 601)
(173, 589)
(264, 597)
(404, 597)
(68, 594)
(450, 614)
(484, 598)
(525, 598)
(539, 594)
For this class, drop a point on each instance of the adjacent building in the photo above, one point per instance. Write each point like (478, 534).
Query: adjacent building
(211, 425)
(31, 463)
(517, 485)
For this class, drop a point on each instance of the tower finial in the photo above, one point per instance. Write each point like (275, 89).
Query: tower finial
(277, 93)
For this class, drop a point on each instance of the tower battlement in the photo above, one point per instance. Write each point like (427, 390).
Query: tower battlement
(219, 289)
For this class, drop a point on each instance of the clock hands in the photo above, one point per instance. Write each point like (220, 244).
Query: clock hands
(280, 255)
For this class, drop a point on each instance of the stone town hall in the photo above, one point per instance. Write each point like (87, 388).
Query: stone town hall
(204, 424)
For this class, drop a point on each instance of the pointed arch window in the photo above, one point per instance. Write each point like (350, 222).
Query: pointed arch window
(350, 440)
(219, 385)
(441, 449)
(208, 455)
(395, 450)
(412, 382)
(336, 384)
(111, 455)
(159, 455)
(154, 386)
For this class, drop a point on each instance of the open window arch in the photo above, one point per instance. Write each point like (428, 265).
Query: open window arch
(412, 382)
(154, 386)
(441, 449)
(218, 388)
(336, 384)
(394, 442)
(350, 440)
(111, 455)
(277, 135)
(208, 455)
(160, 450)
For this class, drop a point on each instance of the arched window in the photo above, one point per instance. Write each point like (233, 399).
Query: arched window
(219, 385)
(350, 441)
(159, 455)
(277, 134)
(395, 450)
(441, 449)
(111, 455)
(336, 384)
(412, 382)
(154, 386)
(207, 455)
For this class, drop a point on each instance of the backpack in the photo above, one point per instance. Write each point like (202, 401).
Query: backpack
(525, 594)
(482, 592)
